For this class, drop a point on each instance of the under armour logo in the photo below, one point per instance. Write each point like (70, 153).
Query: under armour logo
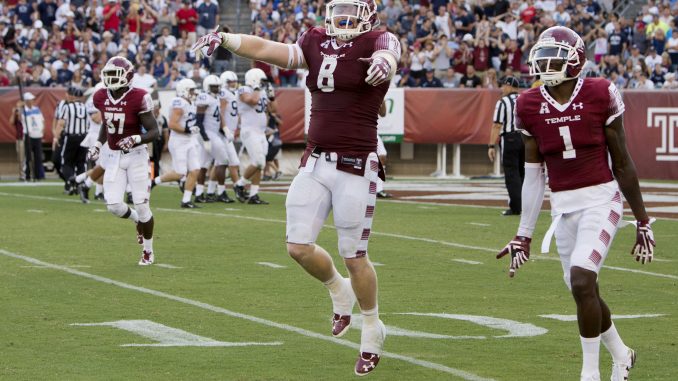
(325, 44)
(106, 103)
(577, 106)
(544, 108)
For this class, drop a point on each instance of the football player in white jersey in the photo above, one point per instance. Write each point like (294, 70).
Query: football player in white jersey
(94, 176)
(183, 143)
(252, 106)
(229, 108)
(209, 115)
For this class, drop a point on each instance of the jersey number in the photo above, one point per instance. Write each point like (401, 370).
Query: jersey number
(217, 114)
(570, 152)
(190, 120)
(234, 108)
(326, 74)
(261, 106)
(115, 120)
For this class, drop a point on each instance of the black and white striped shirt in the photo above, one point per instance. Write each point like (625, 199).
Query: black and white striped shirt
(75, 116)
(504, 113)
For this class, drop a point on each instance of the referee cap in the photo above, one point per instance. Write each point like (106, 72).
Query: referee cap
(511, 81)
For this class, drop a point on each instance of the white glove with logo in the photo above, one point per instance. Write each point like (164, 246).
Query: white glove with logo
(519, 248)
(643, 249)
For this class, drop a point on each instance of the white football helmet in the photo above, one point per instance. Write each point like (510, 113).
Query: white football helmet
(209, 83)
(229, 80)
(186, 89)
(254, 78)
(347, 19)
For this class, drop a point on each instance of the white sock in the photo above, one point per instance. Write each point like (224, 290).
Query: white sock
(614, 344)
(341, 294)
(89, 182)
(590, 347)
(370, 316)
(148, 244)
(211, 186)
(199, 189)
(157, 180)
(187, 196)
(254, 189)
(221, 189)
(81, 177)
(98, 188)
(241, 182)
(133, 215)
(380, 185)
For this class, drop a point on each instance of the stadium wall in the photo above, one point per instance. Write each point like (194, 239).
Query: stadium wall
(431, 117)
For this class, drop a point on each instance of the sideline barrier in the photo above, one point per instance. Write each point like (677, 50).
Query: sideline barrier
(441, 116)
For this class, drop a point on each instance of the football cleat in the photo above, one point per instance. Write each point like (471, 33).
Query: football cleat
(620, 372)
(130, 200)
(509, 212)
(147, 258)
(181, 185)
(224, 198)
(140, 234)
(83, 191)
(340, 324)
(239, 191)
(384, 194)
(211, 197)
(200, 199)
(256, 200)
(189, 205)
(366, 363)
(99, 196)
(153, 184)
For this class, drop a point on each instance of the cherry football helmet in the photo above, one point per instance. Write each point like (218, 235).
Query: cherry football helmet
(117, 73)
(347, 19)
(558, 56)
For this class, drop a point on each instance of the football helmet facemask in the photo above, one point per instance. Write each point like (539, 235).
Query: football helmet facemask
(117, 73)
(186, 89)
(558, 56)
(211, 84)
(347, 19)
(254, 78)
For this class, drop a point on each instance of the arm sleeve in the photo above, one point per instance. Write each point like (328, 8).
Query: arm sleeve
(146, 104)
(296, 51)
(390, 43)
(532, 197)
(616, 106)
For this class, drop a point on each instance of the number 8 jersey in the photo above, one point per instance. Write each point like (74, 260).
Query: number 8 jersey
(120, 117)
(344, 109)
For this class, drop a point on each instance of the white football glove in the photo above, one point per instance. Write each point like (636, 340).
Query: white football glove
(643, 249)
(126, 143)
(207, 145)
(93, 152)
(228, 134)
(519, 247)
(211, 41)
(378, 71)
(192, 130)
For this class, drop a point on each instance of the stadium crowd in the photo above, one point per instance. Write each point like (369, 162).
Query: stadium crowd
(445, 43)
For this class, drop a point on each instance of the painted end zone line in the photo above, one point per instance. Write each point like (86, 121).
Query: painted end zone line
(426, 364)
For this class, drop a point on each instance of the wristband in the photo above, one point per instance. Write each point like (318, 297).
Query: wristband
(231, 41)
(137, 139)
(490, 146)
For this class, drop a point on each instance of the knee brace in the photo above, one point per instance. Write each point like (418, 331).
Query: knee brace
(144, 212)
(118, 209)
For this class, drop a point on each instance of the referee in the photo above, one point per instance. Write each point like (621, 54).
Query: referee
(512, 148)
(73, 124)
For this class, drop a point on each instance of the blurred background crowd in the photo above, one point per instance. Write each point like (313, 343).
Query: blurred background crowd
(445, 43)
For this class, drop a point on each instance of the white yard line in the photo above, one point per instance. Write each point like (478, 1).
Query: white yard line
(286, 327)
(272, 265)
(468, 262)
(167, 266)
(399, 236)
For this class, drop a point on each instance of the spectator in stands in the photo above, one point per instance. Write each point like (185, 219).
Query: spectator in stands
(657, 76)
(481, 56)
(618, 80)
(658, 41)
(175, 76)
(143, 79)
(407, 80)
(670, 82)
(160, 69)
(652, 59)
(187, 20)
(112, 12)
(430, 80)
(490, 80)
(560, 16)
(208, 11)
(417, 60)
(451, 79)
(656, 24)
(464, 55)
(470, 80)
(47, 11)
(442, 53)
(392, 11)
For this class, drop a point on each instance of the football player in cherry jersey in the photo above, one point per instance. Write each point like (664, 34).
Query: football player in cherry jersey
(350, 65)
(571, 125)
(125, 110)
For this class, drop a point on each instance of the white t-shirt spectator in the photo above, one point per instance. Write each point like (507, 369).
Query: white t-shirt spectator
(144, 81)
(510, 28)
(547, 5)
(562, 19)
(11, 66)
(61, 13)
(650, 61)
(600, 47)
(672, 44)
(442, 23)
(418, 61)
(170, 42)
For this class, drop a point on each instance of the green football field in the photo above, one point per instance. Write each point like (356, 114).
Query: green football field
(225, 302)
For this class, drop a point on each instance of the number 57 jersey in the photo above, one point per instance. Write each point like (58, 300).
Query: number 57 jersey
(344, 109)
(571, 136)
(120, 116)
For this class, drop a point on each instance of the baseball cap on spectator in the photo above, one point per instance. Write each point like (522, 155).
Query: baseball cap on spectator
(29, 96)
(511, 81)
(467, 37)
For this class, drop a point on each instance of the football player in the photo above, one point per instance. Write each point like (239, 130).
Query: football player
(183, 142)
(571, 125)
(126, 110)
(209, 115)
(253, 106)
(349, 67)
